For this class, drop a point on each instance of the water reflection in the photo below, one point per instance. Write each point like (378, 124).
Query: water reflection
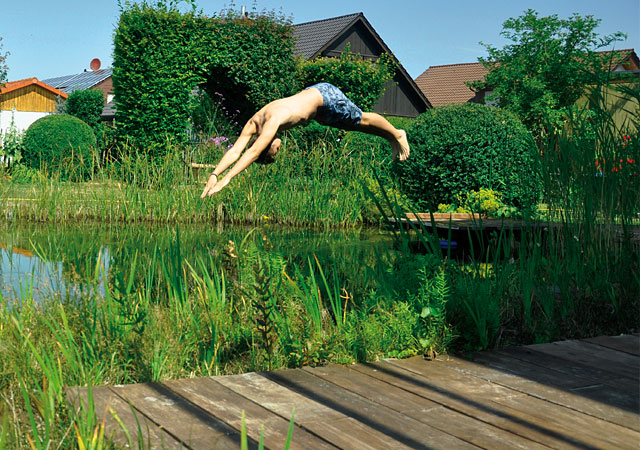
(60, 261)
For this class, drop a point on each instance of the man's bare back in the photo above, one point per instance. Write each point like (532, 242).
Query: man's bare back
(288, 112)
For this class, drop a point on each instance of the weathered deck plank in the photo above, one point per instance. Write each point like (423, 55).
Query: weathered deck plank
(605, 402)
(558, 420)
(183, 420)
(616, 363)
(621, 343)
(401, 428)
(228, 406)
(573, 394)
(142, 431)
(434, 414)
(330, 424)
(571, 368)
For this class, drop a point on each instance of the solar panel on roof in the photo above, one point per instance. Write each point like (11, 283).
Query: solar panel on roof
(83, 80)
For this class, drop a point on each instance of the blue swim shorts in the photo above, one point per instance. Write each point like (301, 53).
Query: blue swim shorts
(337, 109)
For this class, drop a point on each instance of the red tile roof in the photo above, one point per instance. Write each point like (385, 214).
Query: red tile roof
(443, 85)
(14, 85)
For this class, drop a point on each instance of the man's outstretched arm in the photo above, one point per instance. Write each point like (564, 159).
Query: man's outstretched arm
(263, 141)
(230, 156)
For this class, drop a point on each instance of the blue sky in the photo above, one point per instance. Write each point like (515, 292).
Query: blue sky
(53, 38)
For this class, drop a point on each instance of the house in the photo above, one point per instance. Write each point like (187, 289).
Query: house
(446, 84)
(100, 79)
(329, 37)
(25, 101)
(89, 79)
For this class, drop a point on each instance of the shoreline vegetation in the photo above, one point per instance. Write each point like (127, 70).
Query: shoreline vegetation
(244, 305)
(165, 307)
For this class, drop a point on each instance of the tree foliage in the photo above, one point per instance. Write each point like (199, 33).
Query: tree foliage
(3, 65)
(162, 54)
(86, 105)
(548, 65)
(362, 80)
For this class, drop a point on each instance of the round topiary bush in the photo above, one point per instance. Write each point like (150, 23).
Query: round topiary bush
(60, 143)
(459, 148)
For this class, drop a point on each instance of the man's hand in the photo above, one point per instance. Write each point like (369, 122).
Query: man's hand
(208, 188)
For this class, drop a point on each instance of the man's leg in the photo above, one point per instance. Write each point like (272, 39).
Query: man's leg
(377, 125)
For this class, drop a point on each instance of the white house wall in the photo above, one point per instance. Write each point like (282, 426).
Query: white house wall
(21, 119)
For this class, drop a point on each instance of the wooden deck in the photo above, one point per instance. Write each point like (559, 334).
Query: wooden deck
(571, 394)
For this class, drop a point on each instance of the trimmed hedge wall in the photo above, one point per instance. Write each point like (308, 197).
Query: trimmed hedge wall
(161, 55)
(459, 148)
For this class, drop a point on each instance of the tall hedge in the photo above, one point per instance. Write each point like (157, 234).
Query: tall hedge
(458, 148)
(162, 54)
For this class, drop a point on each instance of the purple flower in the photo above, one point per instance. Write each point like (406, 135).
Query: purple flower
(218, 140)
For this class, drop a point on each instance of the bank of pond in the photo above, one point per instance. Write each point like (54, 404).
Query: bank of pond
(93, 304)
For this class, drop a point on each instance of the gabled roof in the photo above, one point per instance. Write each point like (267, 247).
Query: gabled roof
(83, 80)
(313, 37)
(445, 84)
(19, 84)
(625, 59)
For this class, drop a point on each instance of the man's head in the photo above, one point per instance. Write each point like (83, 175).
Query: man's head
(267, 156)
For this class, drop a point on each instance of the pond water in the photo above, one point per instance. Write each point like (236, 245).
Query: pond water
(56, 261)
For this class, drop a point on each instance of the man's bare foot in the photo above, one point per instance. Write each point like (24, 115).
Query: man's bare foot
(403, 150)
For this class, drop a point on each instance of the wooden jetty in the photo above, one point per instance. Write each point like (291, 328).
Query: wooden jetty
(571, 394)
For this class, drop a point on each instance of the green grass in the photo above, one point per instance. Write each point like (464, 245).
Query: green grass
(309, 186)
(243, 305)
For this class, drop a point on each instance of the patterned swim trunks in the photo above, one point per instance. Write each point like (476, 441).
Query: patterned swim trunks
(337, 109)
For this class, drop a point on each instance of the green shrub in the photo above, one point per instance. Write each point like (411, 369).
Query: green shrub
(459, 148)
(484, 201)
(58, 142)
(362, 80)
(21, 174)
(86, 105)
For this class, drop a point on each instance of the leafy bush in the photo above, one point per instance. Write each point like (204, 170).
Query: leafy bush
(161, 55)
(86, 105)
(58, 142)
(11, 142)
(484, 201)
(362, 80)
(459, 148)
(21, 174)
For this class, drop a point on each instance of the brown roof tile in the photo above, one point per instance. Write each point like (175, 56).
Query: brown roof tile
(443, 85)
